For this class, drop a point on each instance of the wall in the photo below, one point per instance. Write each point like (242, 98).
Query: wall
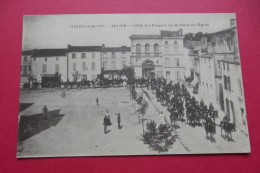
(37, 66)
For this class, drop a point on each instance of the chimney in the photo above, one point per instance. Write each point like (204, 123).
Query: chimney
(233, 22)
(69, 46)
(103, 45)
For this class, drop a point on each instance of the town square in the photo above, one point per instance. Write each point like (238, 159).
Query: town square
(167, 91)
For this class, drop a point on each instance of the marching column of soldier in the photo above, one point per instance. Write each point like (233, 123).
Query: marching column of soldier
(179, 103)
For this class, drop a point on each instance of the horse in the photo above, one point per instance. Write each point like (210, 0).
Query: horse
(210, 127)
(228, 128)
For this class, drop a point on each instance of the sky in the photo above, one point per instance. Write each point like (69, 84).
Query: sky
(58, 31)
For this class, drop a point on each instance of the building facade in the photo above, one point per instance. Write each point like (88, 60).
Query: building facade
(114, 59)
(49, 65)
(25, 65)
(84, 62)
(158, 55)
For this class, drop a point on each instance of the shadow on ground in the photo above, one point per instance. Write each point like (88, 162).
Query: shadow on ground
(34, 124)
(24, 106)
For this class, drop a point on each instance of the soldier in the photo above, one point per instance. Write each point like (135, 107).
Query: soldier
(97, 101)
(118, 120)
(45, 112)
(105, 123)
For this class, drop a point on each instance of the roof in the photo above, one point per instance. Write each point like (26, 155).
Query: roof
(84, 48)
(192, 44)
(27, 52)
(224, 31)
(120, 49)
(163, 34)
(154, 36)
(49, 52)
(171, 33)
(232, 60)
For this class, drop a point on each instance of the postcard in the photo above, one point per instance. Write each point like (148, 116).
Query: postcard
(131, 84)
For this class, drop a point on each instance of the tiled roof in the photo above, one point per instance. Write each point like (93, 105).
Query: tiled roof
(224, 31)
(155, 36)
(49, 52)
(233, 59)
(84, 48)
(192, 44)
(120, 49)
(27, 52)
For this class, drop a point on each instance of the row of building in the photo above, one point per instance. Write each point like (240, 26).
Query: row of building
(80, 62)
(213, 65)
(216, 72)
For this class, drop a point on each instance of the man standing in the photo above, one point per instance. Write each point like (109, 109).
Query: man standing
(118, 120)
(105, 124)
(45, 112)
(97, 101)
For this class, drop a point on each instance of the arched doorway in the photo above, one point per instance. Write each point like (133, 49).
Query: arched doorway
(148, 69)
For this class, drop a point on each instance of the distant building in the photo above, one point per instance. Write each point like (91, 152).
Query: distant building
(114, 59)
(158, 55)
(25, 65)
(84, 62)
(49, 65)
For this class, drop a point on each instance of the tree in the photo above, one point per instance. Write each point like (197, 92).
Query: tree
(159, 139)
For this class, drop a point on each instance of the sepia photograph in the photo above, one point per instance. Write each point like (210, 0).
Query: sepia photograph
(131, 84)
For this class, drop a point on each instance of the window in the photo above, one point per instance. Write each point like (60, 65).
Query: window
(240, 86)
(45, 59)
(166, 43)
(156, 49)
(57, 59)
(123, 63)
(93, 66)
(25, 70)
(105, 55)
(44, 68)
(123, 55)
(167, 62)
(25, 59)
(175, 43)
(29, 68)
(57, 68)
(74, 56)
(176, 62)
(113, 55)
(105, 65)
(177, 75)
(218, 65)
(227, 107)
(138, 50)
(113, 65)
(225, 82)
(168, 75)
(147, 49)
(84, 66)
(227, 66)
(34, 59)
(229, 83)
(223, 66)
(83, 55)
(93, 55)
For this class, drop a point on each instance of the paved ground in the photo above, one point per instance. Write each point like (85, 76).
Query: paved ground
(75, 126)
